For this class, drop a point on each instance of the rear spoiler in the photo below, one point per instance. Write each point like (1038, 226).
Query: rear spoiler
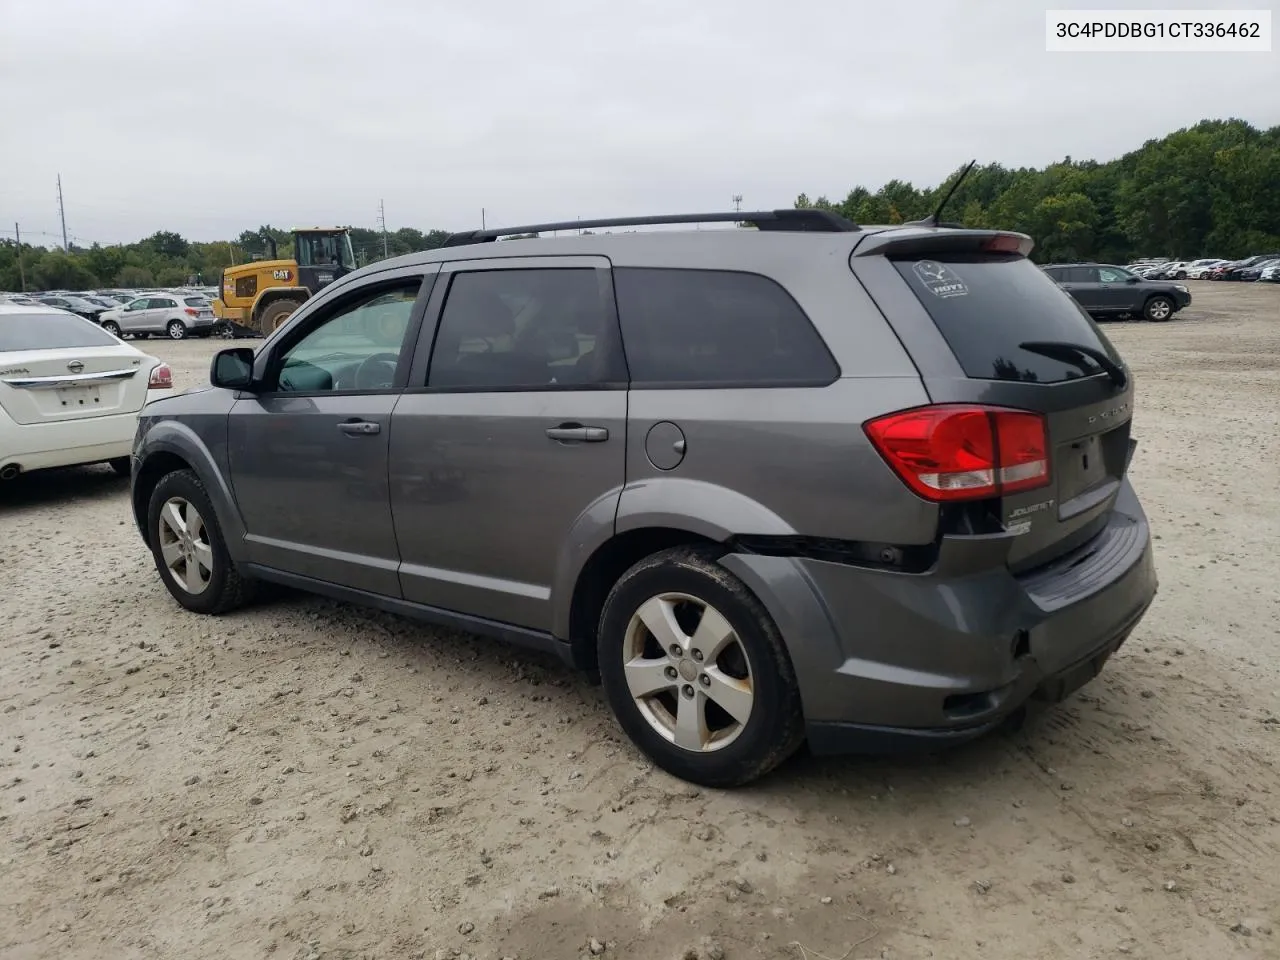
(922, 241)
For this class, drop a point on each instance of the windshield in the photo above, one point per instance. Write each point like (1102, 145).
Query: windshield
(50, 331)
(985, 307)
(325, 250)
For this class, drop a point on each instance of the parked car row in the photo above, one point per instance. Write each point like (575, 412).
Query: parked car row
(1209, 268)
(176, 314)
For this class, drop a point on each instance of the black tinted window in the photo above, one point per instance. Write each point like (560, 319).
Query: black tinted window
(50, 331)
(526, 329)
(985, 307)
(716, 327)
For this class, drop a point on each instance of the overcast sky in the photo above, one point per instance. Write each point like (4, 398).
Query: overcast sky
(210, 118)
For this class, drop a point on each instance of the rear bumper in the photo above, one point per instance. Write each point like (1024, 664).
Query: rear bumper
(887, 661)
(67, 443)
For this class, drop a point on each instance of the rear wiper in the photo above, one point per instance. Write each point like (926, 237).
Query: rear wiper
(1066, 351)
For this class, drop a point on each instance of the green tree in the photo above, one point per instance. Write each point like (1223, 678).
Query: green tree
(56, 270)
(135, 277)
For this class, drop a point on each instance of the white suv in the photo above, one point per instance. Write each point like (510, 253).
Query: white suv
(175, 316)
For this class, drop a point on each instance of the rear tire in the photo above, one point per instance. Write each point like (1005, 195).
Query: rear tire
(1158, 309)
(275, 314)
(176, 330)
(729, 653)
(112, 328)
(179, 502)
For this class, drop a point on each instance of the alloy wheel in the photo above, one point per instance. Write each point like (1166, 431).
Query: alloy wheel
(688, 672)
(185, 546)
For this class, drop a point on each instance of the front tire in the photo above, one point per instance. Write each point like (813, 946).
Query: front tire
(188, 547)
(176, 329)
(1158, 309)
(112, 328)
(696, 671)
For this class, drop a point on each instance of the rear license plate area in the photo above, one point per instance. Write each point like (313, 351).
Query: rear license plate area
(75, 398)
(1082, 465)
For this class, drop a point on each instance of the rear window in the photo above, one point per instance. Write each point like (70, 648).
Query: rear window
(195, 301)
(984, 307)
(50, 331)
(685, 327)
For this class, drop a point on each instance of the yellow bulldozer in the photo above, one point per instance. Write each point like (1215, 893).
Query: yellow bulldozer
(258, 296)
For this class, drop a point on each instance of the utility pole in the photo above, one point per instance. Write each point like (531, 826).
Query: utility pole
(737, 203)
(22, 271)
(482, 218)
(62, 214)
(382, 219)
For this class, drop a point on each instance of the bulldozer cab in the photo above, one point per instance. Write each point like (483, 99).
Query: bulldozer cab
(322, 255)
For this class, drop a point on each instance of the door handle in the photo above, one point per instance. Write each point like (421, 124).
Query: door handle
(577, 433)
(360, 428)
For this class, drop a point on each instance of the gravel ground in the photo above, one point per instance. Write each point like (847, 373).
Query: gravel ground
(305, 779)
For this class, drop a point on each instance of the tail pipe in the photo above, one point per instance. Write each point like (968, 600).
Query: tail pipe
(9, 471)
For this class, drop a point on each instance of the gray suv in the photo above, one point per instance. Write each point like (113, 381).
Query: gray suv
(864, 487)
(1107, 290)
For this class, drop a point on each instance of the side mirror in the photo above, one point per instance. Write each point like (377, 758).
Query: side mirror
(232, 369)
(1132, 279)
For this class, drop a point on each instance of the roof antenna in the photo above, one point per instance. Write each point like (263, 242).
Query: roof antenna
(933, 219)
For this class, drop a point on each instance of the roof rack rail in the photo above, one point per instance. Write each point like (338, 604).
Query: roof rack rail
(802, 221)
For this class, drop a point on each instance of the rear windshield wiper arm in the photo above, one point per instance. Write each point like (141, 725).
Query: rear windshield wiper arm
(1065, 350)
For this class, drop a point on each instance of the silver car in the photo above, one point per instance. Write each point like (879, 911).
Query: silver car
(176, 317)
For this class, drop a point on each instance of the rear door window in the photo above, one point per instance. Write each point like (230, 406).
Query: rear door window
(984, 307)
(50, 331)
(687, 328)
(526, 329)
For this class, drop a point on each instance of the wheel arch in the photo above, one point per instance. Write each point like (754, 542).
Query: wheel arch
(171, 446)
(620, 530)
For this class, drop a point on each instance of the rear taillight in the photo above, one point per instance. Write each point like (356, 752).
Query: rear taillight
(161, 377)
(964, 452)
(192, 312)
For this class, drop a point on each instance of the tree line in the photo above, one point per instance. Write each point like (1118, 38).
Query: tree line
(1208, 190)
(1212, 190)
(166, 259)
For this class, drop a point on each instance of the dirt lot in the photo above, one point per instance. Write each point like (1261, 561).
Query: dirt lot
(309, 780)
